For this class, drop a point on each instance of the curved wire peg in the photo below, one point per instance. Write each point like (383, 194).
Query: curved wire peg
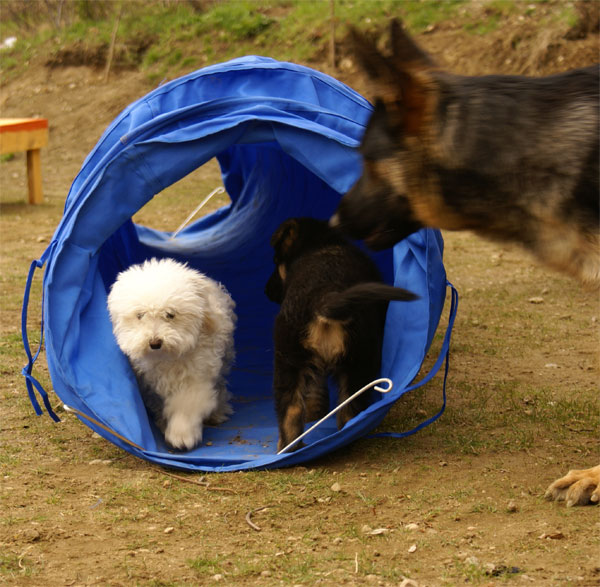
(197, 209)
(375, 384)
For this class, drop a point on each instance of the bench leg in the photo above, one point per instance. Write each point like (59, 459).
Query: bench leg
(34, 176)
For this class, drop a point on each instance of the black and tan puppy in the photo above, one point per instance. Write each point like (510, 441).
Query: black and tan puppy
(511, 158)
(333, 307)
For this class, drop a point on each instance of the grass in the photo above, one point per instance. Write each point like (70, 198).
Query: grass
(153, 34)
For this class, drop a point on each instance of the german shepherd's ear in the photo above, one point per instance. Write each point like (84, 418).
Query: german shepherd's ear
(401, 81)
(405, 50)
(283, 239)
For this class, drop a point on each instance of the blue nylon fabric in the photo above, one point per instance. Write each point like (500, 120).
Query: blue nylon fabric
(285, 137)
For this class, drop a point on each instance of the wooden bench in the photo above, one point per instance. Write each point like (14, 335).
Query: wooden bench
(30, 135)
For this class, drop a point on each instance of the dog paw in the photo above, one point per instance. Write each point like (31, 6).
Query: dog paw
(221, 414)
(181, 435)
(577, 487)
(281, 445)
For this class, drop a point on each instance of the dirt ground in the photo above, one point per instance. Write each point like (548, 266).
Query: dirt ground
(460, 502)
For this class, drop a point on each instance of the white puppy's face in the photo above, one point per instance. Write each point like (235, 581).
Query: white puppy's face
(158, 310)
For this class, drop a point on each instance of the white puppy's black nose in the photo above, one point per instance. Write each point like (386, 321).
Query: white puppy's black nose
(155, 343)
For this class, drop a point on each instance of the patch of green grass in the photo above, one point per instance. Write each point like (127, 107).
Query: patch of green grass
(238, 20)
(471, 572)
(12, 565)
(205, 565)
(420, 15)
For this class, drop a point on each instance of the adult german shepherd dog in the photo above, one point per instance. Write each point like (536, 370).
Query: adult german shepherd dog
(511, 158)
(333, 307)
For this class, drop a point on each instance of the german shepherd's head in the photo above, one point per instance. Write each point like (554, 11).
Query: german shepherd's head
(379, 208)
(513, 158)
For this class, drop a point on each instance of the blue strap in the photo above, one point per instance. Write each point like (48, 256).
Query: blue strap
(31, 381)
(443, 356)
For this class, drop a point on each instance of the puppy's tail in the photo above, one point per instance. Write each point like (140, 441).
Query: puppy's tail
(341, 305)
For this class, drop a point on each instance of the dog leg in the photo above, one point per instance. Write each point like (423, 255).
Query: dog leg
(223, 409)
(300, 395)
(291, 424)
(577, 487)
(349, 383)
(185, 412)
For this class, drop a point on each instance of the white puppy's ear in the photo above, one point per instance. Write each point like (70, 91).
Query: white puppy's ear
(209, 324)
(214, 314)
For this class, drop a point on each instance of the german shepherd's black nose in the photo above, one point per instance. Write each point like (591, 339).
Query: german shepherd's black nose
(155, 344)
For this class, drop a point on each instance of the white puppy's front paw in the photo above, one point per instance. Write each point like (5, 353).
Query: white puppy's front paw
(182, 434)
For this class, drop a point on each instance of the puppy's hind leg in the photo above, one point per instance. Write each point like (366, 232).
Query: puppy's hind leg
(297, 393)
(350, 380)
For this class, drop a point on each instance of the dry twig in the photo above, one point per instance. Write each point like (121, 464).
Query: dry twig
(204, 484)
(249, 515)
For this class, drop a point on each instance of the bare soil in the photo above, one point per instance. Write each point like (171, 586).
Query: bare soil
(460, 502)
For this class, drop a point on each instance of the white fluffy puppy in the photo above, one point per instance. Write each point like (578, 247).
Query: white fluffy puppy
(176, 327)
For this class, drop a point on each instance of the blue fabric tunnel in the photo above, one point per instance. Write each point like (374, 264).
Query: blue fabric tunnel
(285, 137)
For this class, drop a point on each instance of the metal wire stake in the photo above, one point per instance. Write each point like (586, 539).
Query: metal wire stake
(216, 191)
(374, 384)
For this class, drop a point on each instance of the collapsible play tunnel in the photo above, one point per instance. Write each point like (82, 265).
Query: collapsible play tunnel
(285, 138)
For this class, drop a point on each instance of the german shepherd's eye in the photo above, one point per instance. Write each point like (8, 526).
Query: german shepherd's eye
(140, 315)
(169, 315)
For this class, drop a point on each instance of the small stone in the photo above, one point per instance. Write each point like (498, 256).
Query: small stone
(412, 549)
(169, 530)
(346, 64)
(408, 583)
(379, 531)
(336, 487)
(552, 536)
(536, 300)
(512, 507)
(412, 526)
